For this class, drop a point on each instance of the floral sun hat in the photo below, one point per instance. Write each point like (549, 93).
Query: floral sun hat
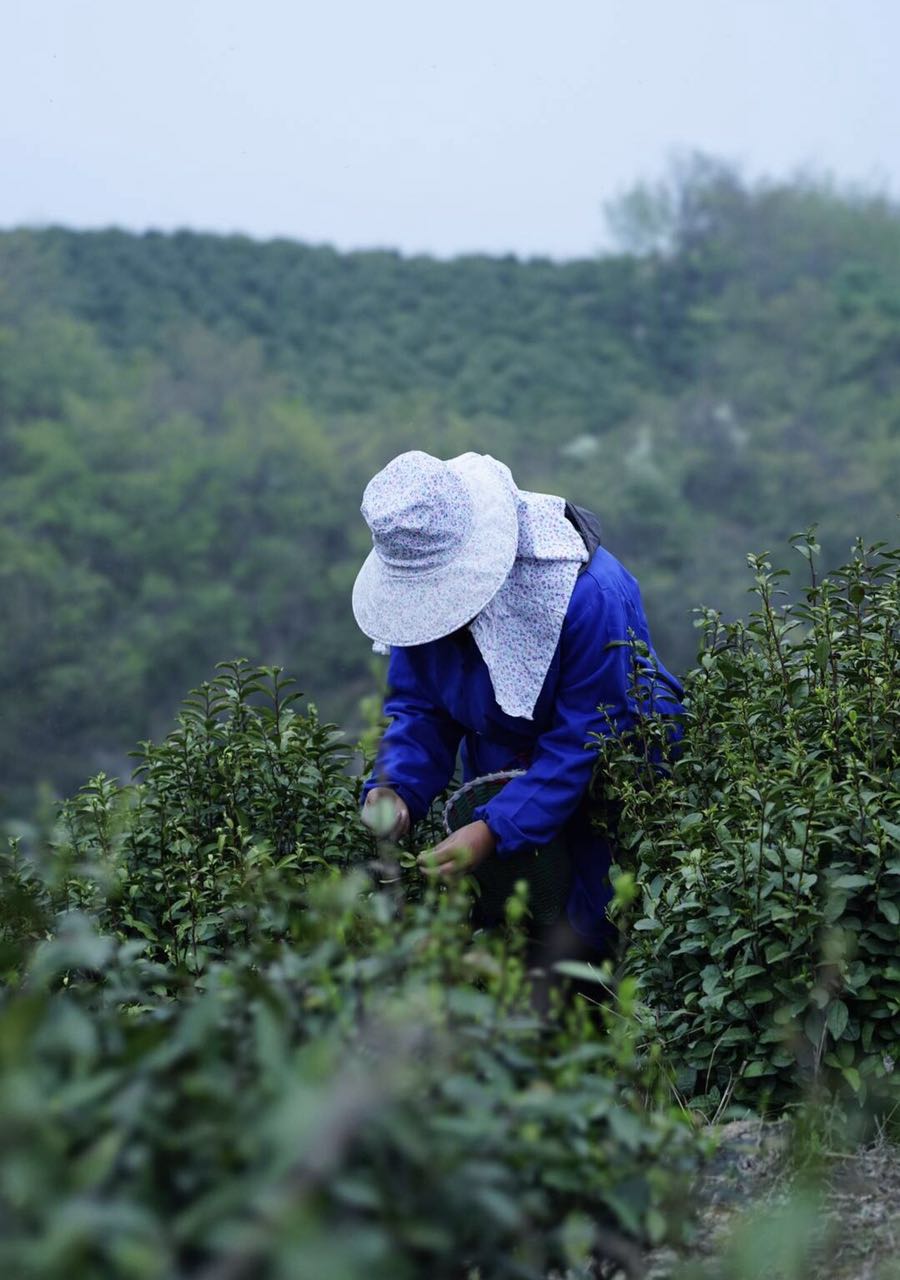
(445, 535)
(456, 543)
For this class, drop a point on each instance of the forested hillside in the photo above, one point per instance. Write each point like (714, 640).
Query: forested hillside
(187, 422)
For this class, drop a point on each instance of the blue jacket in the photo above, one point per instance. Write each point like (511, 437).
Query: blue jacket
(440, 699)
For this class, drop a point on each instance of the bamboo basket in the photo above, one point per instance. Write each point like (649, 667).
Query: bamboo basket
(548, 869)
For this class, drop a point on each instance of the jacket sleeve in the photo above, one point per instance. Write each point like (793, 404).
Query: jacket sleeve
(593, 696)
(418, 751)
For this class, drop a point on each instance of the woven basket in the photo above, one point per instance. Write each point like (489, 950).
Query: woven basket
(547, 869)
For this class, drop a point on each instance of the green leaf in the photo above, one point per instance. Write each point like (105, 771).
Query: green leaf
(578, 969)
(851, 1075)
(836, 1018)
(776, 951)
(889, 910)
(822, 652)
(747, 971)
(755, 1069)
(759, 996)
(850, 882)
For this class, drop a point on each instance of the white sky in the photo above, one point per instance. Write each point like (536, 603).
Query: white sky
(495, 125)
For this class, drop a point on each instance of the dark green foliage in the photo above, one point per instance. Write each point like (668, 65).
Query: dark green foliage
(352, 330)
(187, 423)
(768, 854)
(228, 1055)
(359, 1105)
(212, 844)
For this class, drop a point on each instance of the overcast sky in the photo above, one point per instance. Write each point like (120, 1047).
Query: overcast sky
(495, 125)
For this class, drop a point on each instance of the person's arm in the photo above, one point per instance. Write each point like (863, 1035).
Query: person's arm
(593, 696)
(418, 750)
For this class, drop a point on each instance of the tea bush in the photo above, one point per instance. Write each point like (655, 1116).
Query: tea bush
(211, 846)
(377, 1100)
(232, 1046)
(767, 848)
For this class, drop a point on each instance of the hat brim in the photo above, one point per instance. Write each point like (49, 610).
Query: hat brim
(410, 608)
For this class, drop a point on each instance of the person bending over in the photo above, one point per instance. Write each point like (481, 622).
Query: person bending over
(511, 636)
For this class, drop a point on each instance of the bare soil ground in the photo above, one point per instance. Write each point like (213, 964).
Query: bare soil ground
(761, 1220)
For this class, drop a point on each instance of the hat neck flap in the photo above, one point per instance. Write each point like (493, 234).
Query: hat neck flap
(518, 630)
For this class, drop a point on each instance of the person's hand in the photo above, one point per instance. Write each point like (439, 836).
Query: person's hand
(385, 814)
(460, 853)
